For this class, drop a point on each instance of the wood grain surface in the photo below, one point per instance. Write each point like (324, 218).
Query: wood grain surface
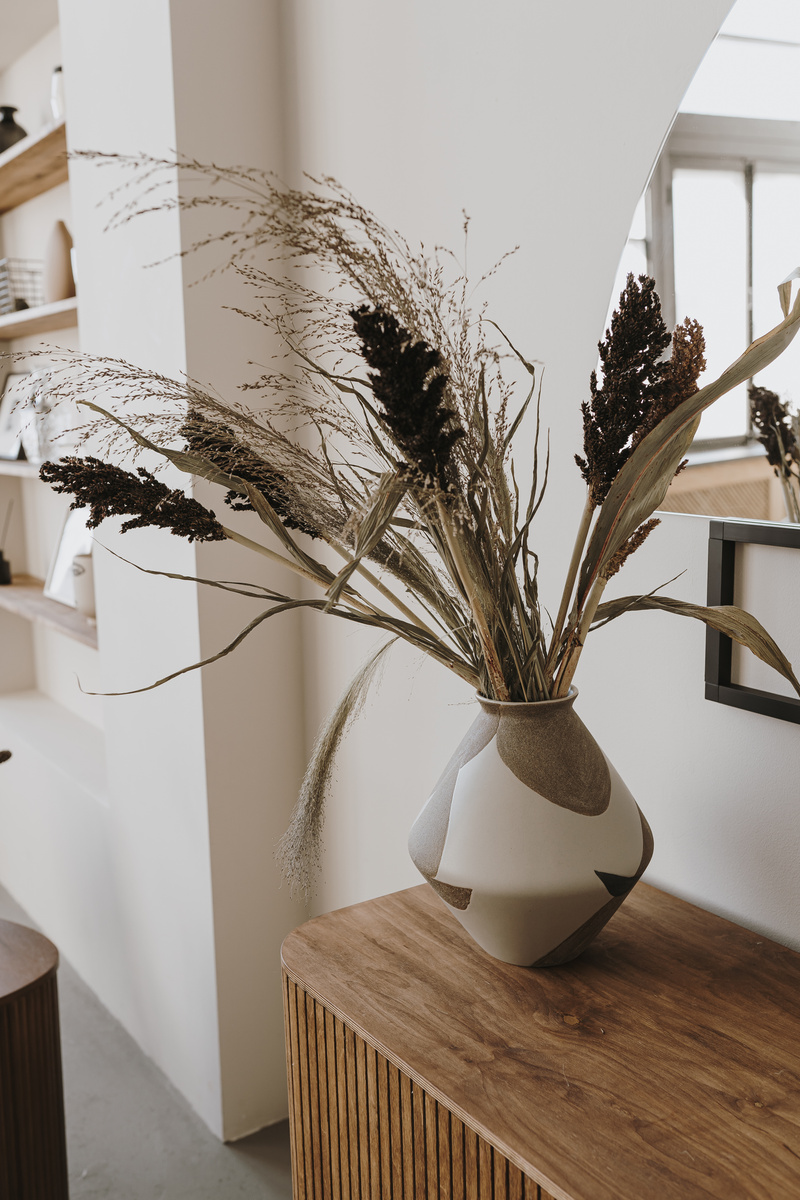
(25, 597)
(363, 1130)
(61, 314)
(663, 1063)
(26, 957)
(32, 166)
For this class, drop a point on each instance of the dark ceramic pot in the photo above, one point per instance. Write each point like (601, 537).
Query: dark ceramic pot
(10, 131)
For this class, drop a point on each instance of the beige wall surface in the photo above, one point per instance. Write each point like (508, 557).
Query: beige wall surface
(202, 773)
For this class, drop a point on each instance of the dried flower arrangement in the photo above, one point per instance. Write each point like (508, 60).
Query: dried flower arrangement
(403, 461)
(779, 433)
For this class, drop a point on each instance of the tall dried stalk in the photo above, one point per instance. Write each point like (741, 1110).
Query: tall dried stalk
(778, 430)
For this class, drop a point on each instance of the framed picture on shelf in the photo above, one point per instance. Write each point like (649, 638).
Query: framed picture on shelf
(75, 539)
(14, 411)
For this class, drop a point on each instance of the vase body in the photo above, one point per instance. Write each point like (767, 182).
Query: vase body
(58, 282)
(10, 131)
(530, 836)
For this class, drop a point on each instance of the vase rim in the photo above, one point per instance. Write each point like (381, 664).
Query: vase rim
(487, 703)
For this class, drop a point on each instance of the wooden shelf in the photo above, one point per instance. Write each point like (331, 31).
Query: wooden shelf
(53, 735)
(25, 598)
(42, 319)
(19, 467)
(32, 166)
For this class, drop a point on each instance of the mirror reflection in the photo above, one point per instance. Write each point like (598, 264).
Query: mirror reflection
(718, 229)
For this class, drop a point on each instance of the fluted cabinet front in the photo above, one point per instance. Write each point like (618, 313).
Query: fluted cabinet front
(363, 1130)
(33, 1152)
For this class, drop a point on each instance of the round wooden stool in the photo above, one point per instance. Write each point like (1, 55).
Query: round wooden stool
(33, 1149)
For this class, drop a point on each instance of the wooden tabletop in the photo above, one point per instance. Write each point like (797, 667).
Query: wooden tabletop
(664, 1063)
(25, 958)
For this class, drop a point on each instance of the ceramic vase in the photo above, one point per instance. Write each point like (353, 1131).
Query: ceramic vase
(530, 836)
(83, 579)
(57, 105)
(58, 282)
(10, 131)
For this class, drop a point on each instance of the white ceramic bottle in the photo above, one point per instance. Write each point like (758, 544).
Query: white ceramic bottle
(58, 282)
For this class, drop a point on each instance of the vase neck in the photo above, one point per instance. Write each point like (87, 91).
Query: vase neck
(520, 707)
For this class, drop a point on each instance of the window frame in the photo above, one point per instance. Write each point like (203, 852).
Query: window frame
(711, 143)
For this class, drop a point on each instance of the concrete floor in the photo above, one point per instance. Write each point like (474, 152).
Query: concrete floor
(130, 1135)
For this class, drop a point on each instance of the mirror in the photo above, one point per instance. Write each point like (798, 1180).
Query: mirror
(718, 230)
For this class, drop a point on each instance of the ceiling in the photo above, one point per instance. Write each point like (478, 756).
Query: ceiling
(22, 24)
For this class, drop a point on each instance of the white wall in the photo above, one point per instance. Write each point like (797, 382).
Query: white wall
(228, 108)
(158, 964)
(719, 786)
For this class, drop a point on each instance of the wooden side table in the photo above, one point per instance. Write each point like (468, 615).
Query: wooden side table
(664, 1063)
(33, 1149)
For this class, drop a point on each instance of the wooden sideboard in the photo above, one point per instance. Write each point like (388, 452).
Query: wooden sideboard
(664, 1064)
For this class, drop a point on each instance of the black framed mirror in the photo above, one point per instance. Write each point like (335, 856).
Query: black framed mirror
(723, 539)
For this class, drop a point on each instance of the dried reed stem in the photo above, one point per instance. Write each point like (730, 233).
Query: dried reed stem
(569, 584)
(387, 593)
(790, 498)
(570, 663)
(465, 580)
(353, 601)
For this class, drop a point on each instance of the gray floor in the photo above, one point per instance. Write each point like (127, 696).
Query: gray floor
(130, 1135)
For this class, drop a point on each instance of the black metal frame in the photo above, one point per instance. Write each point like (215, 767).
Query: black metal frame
(723, 538)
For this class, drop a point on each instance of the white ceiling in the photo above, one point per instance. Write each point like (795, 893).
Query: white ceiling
(22, 24)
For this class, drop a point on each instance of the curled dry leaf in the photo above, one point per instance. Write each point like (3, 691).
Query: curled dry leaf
(734, 622)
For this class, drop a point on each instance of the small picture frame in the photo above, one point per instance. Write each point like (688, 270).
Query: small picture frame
(14, 408)
(75, 539)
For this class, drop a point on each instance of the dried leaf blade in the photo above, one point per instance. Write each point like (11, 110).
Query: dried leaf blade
(728, 619)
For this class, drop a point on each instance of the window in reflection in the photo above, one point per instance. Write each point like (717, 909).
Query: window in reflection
(634, 257)
(710, 220)
(721, 232)
(776, 248)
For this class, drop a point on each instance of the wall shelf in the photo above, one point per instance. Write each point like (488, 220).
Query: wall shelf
(67, 743)
(45, 317)
(32, 166)
(25, 598)
(19, 467)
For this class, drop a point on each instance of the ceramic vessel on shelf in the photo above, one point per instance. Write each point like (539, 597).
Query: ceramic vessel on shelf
(83, 579)
(530, 836)
(10, 131)
(58, 282)
(57, 105)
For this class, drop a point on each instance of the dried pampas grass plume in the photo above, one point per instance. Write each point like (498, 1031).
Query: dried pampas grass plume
(300, 848)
